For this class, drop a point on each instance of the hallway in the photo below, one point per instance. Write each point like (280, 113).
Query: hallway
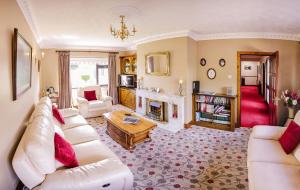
(254, 110)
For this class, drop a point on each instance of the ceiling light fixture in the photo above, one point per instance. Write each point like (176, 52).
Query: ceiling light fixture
(123, 32)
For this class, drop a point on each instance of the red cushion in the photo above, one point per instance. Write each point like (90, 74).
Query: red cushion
(64, 152)
(290, 138)
(90, 95)
(57, 115)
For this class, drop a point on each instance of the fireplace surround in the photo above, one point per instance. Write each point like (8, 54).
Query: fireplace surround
(172, 105)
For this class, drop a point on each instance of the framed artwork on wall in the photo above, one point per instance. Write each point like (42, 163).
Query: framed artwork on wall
(21, 65)
(247, 67)
(222, 62)
(202, 62)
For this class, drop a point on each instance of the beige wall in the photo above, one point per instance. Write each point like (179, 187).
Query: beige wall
(183, 58)
(213, 50)
(13, 113)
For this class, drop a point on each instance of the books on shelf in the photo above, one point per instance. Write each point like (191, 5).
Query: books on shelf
(212, 100)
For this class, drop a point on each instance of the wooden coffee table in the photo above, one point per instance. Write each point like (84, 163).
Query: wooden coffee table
(127, 135)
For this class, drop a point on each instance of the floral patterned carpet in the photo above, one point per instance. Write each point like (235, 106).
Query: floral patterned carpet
(194, 158)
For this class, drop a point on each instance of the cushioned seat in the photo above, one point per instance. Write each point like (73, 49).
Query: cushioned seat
(96, 104)
(266, 175)
(92, 151)
(35, 164)
(93, 108)
(73, 121)
(261, 150)
(81, 134)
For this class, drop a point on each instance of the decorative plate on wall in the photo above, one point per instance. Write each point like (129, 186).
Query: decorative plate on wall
(202, 62)
(222, 62)
(211, 73)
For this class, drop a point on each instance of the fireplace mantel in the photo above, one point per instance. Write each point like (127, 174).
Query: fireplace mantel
(175, 122)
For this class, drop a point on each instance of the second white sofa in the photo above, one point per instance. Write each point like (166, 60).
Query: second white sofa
(34, 161)
(269, 167)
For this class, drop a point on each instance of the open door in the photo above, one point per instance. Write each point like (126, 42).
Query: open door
(272, 86)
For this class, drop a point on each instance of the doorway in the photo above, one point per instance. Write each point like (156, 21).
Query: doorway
(257, 88)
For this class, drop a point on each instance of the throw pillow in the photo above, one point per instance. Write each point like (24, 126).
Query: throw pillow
(290, 138)
(57, 115)
(90, 95)
(64, 152)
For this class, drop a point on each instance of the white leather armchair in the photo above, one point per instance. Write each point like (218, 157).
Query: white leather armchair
(93, 108)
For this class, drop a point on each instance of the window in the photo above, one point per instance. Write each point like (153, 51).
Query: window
(88, 71)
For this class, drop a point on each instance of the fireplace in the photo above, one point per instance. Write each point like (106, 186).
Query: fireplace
(156, 110)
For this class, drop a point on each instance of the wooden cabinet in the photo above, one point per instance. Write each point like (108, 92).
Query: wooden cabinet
(128, 64)
(127, 97)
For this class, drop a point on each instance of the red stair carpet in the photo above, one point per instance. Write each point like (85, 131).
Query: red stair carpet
(254, 110)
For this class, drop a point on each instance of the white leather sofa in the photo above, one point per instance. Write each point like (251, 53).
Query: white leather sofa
(34, 160)
(269, 167)
(93, 108)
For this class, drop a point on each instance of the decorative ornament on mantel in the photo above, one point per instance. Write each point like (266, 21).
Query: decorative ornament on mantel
(123, 32)
(291, 100)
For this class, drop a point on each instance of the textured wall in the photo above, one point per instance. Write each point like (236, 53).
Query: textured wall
(13, 114)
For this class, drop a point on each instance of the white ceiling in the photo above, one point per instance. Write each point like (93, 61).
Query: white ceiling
(85, 23)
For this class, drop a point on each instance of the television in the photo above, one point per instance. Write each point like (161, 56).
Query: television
(128, 81)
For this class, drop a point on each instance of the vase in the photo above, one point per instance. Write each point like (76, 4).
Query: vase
(291, 113)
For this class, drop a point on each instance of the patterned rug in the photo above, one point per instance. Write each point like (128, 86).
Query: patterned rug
(194, 158)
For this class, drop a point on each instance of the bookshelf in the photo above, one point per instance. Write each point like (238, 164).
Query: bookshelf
(214, 111)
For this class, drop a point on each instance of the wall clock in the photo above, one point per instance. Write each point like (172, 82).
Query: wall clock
(211, 73)
(222, 62)
(202, 62)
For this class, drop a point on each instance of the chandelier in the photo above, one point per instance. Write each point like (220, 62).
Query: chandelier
(123, 32)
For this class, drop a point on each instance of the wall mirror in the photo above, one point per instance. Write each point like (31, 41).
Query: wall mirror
(157, 63)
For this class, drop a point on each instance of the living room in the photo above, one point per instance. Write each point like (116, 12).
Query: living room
(145, 99)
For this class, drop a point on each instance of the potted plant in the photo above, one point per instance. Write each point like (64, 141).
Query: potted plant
(291, 100)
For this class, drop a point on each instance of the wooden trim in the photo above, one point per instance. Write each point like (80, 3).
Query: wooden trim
(188, 125)
(239, 53)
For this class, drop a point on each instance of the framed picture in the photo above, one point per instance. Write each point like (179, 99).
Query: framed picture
(21, 66)
(222, 62)
(202, 62)
(246, 67)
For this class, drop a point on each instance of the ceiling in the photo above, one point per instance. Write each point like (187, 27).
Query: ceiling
(85, 23)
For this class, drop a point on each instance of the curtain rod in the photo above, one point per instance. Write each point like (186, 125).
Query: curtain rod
(88, 51)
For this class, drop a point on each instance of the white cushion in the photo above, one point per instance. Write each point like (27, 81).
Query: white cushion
(270, 176)
(24, 168)
(68, 112)
(58, 130)
(92, 151)
(296, 152)
(91, 177)
(81, 134)
(46, 100)
(267, 132)
(73, 121)
(96, 104)
(297, 118)
(39, 144)
(40, 110)
(261, 150)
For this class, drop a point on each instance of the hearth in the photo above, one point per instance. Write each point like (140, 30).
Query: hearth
(156, 110)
